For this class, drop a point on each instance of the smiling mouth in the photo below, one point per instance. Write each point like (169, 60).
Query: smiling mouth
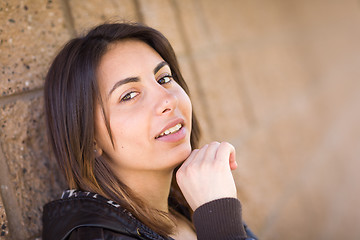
(171, 130)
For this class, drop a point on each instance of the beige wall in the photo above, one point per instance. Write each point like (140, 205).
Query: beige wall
(279, 79)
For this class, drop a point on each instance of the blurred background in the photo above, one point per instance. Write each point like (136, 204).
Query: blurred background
(279, 79)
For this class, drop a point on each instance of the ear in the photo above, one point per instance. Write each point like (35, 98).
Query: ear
(97, 150)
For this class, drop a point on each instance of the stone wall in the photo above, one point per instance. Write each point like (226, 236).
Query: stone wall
(279, 79)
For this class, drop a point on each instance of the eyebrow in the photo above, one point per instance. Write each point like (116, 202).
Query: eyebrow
(135, 79)
(160, 66)
(122, 82)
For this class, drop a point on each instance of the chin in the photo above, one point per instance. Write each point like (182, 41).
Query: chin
(179, 155)
(184, 152)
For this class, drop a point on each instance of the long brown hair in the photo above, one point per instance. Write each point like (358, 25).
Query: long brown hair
(71, 94)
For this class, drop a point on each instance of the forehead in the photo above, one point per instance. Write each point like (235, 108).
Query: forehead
(126, 59)
(129, 55)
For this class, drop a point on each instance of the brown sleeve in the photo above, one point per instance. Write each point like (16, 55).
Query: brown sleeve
(219, 219)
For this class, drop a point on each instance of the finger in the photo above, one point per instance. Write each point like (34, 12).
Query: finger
(232, 160)
(201, 154)
(180, 172)
(190, 158)
(226, 152)
(210, 154)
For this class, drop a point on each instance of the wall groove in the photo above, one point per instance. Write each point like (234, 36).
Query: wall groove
(199, 88)
(11, 206)
(68, 17)
(21, 96)
(139, 14)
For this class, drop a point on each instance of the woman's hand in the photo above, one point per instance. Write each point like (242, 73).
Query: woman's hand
(206, 174)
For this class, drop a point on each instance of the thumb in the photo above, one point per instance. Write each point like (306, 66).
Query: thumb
(232, 161)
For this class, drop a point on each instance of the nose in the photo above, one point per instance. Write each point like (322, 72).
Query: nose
(166, 101)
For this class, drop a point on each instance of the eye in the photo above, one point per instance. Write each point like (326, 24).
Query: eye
(164, 79)
(129, 96)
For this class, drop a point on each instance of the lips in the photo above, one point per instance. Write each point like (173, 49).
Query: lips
(171, 128)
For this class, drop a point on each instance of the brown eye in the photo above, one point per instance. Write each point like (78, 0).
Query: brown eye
(129, 96)
(164, 80)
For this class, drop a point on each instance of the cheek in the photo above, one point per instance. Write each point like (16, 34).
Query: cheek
(185, 104)
(127, 128)
(101, 134)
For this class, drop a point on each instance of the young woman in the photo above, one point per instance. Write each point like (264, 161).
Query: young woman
(121, 125)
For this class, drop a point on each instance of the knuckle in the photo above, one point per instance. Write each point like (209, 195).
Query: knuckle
(195, 151)
(214, 144)
(179, 174)
(226, 145)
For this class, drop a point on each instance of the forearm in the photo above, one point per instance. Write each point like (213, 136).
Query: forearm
(219, 219)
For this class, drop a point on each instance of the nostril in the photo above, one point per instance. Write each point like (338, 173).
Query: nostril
(166, 110)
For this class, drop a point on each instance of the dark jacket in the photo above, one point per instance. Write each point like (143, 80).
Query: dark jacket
(83, 215)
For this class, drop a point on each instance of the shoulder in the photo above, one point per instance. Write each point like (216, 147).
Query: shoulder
(87, 213)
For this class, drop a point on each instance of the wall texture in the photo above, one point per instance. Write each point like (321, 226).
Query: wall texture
(279, 79)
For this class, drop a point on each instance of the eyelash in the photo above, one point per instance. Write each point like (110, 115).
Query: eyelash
(169, 77)
(129, 96)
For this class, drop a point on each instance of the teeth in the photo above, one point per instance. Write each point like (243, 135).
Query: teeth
(171, 130)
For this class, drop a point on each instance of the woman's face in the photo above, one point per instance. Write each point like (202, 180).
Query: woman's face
(148, 112)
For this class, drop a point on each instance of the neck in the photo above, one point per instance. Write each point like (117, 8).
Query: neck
(153, 187)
